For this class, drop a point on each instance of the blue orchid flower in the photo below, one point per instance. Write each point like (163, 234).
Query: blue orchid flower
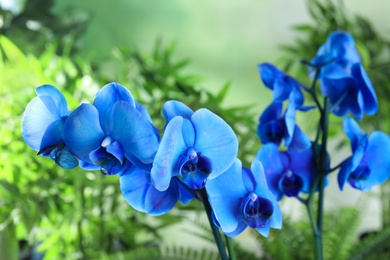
(339, 49)
(112, 132)
(139, 193)
(273, 127)
(351, 92)
(282, 85)
(369, 164)
(43, 123)
(240, 198)
(196, 146)
(343, 78)
(287, 173)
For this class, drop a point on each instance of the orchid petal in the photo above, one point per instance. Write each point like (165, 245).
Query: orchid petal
(60, 105)
(171, 147)
(106, 98)
(225, 194)
(82, 132)
(134, 132)
(174, 108)
(215, 139)
(365, 85)
(160, 202)
(36, 119)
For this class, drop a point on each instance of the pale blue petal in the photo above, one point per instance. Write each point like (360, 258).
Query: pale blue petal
(82, 132)
(60, 105)
(289, 119)
(36, 119)
(215, 139)
(134, 132)
(264, 231)
(225, 194)
(106, 98)
(188, 133)
(165, 163)
(240, 228)
(174, 108)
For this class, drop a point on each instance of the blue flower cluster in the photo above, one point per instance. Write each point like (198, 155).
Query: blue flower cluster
(116, 135)
(344, 82)
(198, 150)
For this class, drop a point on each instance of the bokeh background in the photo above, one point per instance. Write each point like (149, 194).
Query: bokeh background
(203, 53)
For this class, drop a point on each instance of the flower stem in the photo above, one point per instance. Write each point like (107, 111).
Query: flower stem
(230, 246)
(322, 170)
(202, 195)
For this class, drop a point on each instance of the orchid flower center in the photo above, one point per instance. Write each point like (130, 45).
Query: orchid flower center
(257, 210)
(194, 169)
(109, 156)
(272, 131)
(362, 172)
(290, 184)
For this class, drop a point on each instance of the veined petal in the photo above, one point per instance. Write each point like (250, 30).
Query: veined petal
(171, 147)
(106, 98)
(215, 139)
(36, 119)
(134, 132)
(56, 97)
(225, 194)
(174, 108)
(160, 202)
(82, 132)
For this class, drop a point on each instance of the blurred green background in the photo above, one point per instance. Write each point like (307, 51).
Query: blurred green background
(203, 53)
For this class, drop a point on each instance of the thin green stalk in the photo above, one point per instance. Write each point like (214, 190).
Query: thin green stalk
(230, 246)
(217, 235)
(323, 168)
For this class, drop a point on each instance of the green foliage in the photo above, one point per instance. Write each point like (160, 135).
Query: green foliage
(296, 241)
(71, 214)
(34, 22)
(373, 246)
(157, 77)
(374, 48)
